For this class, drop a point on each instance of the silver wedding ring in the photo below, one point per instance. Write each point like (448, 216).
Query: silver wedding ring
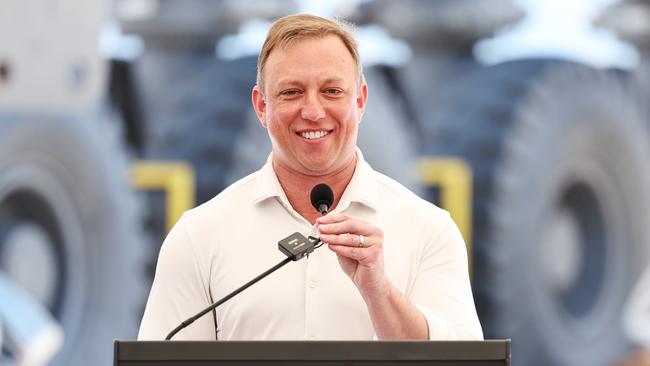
(361, 241)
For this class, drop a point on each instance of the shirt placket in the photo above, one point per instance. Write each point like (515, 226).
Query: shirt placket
(312, 292)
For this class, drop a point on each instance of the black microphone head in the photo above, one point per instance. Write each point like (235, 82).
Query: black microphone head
(322, 198)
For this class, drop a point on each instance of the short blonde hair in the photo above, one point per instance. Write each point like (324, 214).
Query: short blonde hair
(291, 28)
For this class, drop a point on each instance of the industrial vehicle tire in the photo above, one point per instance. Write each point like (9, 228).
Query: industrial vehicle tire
(387, 137)
(70, 231)
(562, 203)
(195, 108)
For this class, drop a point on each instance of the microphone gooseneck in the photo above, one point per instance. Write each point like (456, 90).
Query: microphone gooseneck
(295, 246)
(322, 198)
(191, 320)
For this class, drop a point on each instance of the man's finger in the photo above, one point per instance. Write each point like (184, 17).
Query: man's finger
(358, 254)
(332, 218)
(351, 240)
(348, 226)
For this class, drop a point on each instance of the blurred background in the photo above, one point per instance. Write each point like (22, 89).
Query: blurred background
(528, 120)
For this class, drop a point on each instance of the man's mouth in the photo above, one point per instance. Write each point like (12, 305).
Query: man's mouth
(312, 135)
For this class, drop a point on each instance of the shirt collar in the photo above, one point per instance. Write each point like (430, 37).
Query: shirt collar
(266, 183)
(362, 187)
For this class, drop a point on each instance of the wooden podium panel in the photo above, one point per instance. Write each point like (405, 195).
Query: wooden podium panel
(312, 353)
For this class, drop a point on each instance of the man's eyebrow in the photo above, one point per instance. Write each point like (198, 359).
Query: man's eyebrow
(288, 82)
(335, 79)
(284, 82)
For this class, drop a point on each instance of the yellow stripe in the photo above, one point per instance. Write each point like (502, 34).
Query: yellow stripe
(174, 178)
(454, 178)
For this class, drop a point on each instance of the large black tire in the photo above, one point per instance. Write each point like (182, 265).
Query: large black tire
(562, 203)
(387, 137)
(70, 230)
(195, 108)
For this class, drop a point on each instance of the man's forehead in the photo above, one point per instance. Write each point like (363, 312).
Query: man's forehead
(319, 59)
(299, 81)
(295, 47)
(292, 42)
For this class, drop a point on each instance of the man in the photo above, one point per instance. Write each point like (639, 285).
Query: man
(394, 267)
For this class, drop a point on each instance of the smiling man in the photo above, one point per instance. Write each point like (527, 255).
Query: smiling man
(395, 266)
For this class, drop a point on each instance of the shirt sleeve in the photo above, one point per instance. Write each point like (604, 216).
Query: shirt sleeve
(179, 291)
(442, 290)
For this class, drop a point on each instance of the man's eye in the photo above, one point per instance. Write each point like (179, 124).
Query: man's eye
(290, 92)
(333, 91)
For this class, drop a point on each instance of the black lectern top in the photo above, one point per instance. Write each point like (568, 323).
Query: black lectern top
(312, 353)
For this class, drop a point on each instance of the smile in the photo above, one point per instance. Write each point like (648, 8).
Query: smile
(312, 135)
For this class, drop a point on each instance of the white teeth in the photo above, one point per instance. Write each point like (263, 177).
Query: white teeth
(313, 134)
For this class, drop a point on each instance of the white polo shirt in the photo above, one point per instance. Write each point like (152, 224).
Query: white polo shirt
(222, 244)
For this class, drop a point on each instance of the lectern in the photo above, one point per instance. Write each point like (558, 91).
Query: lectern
(312, 353)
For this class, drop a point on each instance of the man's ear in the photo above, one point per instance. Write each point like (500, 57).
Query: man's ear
(362, 98)
(259, 104)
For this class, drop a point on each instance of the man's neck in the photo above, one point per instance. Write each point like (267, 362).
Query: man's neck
(297, 187)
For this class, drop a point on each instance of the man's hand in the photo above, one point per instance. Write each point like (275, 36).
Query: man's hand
(360, 249)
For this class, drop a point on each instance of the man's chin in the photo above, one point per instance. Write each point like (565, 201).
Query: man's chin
(318, 169)
(323, 168)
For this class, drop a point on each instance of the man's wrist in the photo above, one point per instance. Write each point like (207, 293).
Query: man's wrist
(381, 291)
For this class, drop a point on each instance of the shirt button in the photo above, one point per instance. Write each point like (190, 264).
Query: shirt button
(311, 338)
(312, 285)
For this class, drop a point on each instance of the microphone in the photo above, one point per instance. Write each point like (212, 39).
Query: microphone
(295, 246)
(322, 198)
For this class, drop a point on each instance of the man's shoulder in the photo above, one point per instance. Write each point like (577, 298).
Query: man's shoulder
(402, 198)
(405, 210)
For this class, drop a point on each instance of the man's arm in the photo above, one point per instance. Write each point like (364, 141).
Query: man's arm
(178, 291)
(394, 316)
(445, 308)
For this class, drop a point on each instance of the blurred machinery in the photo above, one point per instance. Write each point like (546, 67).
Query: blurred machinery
(70, 233)
(558, 149)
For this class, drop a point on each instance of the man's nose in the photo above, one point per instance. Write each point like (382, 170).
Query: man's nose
(312, 109)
